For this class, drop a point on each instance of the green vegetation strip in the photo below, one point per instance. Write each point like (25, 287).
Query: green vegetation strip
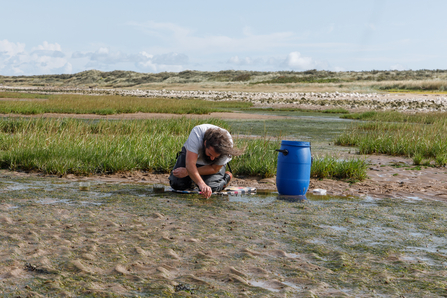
(64, 146)
(29, 104)
(418, 136)
(393, 116)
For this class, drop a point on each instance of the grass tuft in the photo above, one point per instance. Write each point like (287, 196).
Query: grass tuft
(331, 167)
(418, 136)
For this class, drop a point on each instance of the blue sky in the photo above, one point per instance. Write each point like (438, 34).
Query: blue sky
(54, 37)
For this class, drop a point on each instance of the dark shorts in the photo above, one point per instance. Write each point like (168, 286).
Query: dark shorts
(216, 181)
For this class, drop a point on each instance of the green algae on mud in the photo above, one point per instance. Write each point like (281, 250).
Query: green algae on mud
(125, 240)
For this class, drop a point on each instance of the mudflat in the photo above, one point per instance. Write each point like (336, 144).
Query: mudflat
(119, 238)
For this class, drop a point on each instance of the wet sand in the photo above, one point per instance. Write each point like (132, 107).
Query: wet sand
(120, 239)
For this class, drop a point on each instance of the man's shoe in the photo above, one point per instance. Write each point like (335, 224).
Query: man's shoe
(227, 178)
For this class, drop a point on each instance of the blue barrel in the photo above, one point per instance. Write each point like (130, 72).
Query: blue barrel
(293, 171)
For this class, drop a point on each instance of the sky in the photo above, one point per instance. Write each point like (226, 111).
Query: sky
(65, 37)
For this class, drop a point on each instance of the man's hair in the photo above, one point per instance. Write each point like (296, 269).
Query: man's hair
(219, 139)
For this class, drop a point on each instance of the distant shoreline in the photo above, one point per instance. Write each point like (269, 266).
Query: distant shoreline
(352, 101)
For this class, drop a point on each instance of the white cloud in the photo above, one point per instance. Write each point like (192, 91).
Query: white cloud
(147, 55)
(11, 49)
(152, 67)
(166, 62)
(293, 61)
(45, 46)
(44, 59)
(398, 67)
(296, 61)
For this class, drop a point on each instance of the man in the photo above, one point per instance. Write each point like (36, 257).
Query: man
(203, 160)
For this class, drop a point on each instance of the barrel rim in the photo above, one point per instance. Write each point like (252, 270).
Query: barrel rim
(295, 143)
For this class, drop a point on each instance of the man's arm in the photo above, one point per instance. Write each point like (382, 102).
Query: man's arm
(194, 174)
(209, 169)
(181, 172)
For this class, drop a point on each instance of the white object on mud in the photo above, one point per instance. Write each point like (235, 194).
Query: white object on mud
(319, 191)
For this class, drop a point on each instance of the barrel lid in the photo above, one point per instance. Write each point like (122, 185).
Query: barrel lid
(295, 143)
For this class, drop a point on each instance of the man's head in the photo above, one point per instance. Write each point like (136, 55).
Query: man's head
(217, 142)
(209, 153)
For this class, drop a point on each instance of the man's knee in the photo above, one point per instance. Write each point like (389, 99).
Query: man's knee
(180, 183)
(216, 181)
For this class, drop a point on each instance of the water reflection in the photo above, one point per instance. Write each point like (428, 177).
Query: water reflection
(293, 199)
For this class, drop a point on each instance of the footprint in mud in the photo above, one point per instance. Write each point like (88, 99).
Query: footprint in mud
(278, 253)
(89, 257)
(38, 252)
(163, 272)
(168, 238)
(258, 272)
(203, 256)
(271, 285)
(78, 266)
(172, 254)
(5, 220)
(14, 273)
(157, 215)
(233, 278)
(121, 269)
(190, 240)
(142, 252)
(234, 271)
(192, 280)
(251, 253)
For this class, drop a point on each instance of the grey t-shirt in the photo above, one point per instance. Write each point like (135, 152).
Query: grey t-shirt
(194, 143)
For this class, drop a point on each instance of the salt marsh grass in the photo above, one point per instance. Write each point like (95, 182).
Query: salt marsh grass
(107, 104)
(417, 136)
(332, 167)
(72, 146)
(393, 116)
(63, 146)
(260, 158)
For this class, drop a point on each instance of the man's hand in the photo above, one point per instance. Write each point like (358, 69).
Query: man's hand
(205, 190)
(180, 172)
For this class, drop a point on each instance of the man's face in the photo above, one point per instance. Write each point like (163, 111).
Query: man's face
(209, 154)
